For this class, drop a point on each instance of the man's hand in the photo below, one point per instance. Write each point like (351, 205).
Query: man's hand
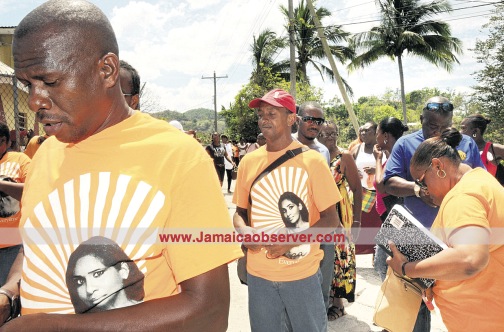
(5, 308)
(249, 231)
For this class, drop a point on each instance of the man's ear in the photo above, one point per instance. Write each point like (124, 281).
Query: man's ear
(135, 99)
(109, 69)
(291, 119)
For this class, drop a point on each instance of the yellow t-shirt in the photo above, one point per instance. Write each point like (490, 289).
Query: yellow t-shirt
(128, 183)
(297, 191)
(13, 165)
(473, 304)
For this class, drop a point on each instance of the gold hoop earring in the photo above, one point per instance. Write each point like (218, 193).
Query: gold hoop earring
(441, 171)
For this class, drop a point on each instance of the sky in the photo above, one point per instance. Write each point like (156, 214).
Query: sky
(174, 43)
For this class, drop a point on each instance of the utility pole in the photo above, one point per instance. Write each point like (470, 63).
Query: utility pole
(330, 57)
(215, 94)
(292, 48)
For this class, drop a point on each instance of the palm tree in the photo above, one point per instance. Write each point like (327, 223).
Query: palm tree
(264, 49)
(308, 45)
(406, 25)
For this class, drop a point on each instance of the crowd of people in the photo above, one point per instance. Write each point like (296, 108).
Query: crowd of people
(84, 204)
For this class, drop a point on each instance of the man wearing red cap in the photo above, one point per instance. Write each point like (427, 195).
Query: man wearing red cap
(293, 198)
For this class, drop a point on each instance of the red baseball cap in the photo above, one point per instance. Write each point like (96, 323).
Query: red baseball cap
(277, 98)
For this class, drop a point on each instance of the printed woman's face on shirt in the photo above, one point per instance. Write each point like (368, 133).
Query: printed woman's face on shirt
(291, 212)
(98, 285)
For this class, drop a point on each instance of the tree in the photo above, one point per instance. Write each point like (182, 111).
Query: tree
(308, 45)
(241, 121)
(406, 25)
(490, 89)
(265, 49)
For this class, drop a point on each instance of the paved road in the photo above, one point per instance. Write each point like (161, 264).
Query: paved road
(359, 316)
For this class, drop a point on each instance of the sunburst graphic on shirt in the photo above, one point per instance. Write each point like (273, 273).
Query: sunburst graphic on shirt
(267, 191)
(98, 204)
(10, 169)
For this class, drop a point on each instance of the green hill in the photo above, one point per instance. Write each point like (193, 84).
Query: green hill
(199, 119)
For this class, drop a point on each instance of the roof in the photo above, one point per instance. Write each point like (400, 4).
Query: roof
(6, 74)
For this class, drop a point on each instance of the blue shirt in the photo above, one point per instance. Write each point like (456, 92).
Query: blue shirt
(398, 164)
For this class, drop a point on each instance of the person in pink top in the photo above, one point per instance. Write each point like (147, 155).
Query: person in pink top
(388, 132)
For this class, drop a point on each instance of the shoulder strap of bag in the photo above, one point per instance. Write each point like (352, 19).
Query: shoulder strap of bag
(283, 158)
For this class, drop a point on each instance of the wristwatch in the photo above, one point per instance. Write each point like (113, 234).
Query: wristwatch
(416, 189)
(15, 304)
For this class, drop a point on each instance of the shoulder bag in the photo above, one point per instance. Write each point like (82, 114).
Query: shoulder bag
(397, 304)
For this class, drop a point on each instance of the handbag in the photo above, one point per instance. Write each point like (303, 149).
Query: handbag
(397, 303)
(241, 268)
(234, 173)
(368, 200)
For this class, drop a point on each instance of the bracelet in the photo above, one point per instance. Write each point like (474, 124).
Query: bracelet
(14, 303)
(403, 269)
(356, 222)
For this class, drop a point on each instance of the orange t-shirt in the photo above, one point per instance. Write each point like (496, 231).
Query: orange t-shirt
(15, 166)
(296, 191)
(474, 304)
(33, 146)
(128, 183)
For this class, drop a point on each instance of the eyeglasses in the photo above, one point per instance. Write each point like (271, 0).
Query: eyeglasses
(313, 120)
(420, 181)
(332, 135)
(435, 107)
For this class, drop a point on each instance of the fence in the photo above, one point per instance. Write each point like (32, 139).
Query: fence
(14, 110)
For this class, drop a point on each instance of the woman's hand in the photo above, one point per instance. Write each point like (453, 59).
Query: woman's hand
(397, 260)
(377, 152)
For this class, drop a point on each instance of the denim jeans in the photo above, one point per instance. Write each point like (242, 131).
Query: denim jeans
(423, 322)
(7, 257)
(380, 262)
(286, 306)
(327, 269)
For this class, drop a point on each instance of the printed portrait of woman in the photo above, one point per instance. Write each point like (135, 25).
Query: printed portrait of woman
(293, 210)
(100, 276)
(295, 217)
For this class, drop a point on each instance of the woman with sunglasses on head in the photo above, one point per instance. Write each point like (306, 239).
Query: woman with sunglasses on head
(345, 174)
(491, 154)
(388, 132)
(469, 273)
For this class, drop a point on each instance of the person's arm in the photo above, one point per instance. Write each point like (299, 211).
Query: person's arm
(467, 256)
(240, 223)
(13, 189)
(328, 222)
(11, 285)
(380, 172)
(208, 150)
(202, 305)
(349, 168)
(498, 151)
(228, 158)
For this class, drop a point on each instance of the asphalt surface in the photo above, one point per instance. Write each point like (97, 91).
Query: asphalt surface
(359, 314)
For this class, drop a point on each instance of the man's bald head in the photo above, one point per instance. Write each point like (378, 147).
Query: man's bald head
(86, 22)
